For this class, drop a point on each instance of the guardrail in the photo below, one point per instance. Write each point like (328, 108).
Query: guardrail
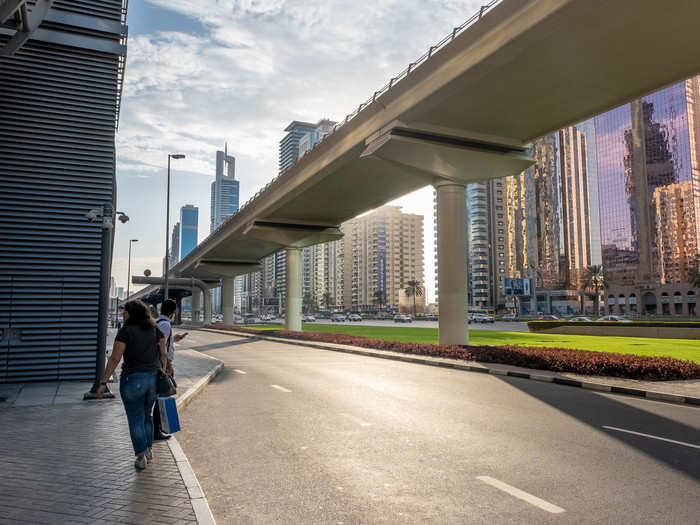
(377, 94)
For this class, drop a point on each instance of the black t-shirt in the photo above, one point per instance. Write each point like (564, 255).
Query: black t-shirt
(142, 352)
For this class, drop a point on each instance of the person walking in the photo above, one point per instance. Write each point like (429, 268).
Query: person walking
(142, 345)
(167, 311)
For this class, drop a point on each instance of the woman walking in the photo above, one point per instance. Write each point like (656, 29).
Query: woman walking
(143, 346)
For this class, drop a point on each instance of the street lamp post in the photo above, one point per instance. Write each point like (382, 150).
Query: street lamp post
(128, 274)
(166, 260)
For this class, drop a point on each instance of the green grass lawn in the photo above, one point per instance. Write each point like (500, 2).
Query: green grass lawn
(687, 349)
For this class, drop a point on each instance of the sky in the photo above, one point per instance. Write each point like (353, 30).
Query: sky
(205, 73)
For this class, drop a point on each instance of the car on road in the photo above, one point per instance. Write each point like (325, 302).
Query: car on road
(482, 318)
(338, 318)
(252, 319)
(402, 318)
(549, 317)
(614, 319)
(510, 317)
(354, 317)
(308, 318)
(581, 319)
(431, 317)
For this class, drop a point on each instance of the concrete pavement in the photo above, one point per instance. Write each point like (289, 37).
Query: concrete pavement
(309, 436)
(64, 460)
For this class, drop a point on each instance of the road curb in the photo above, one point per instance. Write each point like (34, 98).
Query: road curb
(484, 369)
(197, 497)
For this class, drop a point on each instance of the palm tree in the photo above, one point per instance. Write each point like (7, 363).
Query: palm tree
(594, 278)
(327, 300)
(694, 277)
(308, 302)
(414, 288)
(379, 298)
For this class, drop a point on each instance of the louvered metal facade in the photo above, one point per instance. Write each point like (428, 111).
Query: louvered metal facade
(58, 111)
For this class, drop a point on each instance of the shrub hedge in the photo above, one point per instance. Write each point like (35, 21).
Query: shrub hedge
(535, 326)
(541, 358)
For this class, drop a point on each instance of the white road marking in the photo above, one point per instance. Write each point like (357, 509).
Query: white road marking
(521, 494)
(683, 443)
(239, 371)
(356, 420)
(280, 388)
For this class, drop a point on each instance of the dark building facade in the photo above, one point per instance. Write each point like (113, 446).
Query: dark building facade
(60, 79)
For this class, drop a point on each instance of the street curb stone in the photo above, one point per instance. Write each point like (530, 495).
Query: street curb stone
(560, 380)
(199, 501)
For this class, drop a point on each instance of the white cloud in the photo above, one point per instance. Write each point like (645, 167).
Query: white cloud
(259, 65)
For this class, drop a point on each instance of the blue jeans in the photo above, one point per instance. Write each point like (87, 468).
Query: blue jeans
(138, 391)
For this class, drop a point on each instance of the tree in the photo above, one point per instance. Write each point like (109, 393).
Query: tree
(327, 299)
(694, 277)
(308, 303)
(379, 298)
(414, 288)
(594, 278)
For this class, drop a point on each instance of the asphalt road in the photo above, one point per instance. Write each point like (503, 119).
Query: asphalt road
(287, 434)
(506, 326)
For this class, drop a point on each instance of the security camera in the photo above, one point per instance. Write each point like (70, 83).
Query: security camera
(124, 218)
(147, 272)
(93, 215)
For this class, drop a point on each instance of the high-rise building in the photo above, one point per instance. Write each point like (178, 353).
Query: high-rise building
(649, 189)
(382, 251)
(289, 145)
(175, 245)
(224, 189)
(189, 226)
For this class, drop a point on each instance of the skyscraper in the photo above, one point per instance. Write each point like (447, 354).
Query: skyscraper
(289, 145)
(189, 223)
(175, 245)
(224, 189)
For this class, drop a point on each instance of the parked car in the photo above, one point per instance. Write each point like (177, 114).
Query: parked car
(482, 318)
(510, 317)
(252, 319)
(354, 317)
(548, 317)
(431, 317)
(581, 319)
(402, 318)
(237, 319)
(614, 319)
(308, 318)
(338, 318)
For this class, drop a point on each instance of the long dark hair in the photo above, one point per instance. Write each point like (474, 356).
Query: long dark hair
(139, 314)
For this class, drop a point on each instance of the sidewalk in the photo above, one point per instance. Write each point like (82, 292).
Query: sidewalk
(64, 460)
(687, 391)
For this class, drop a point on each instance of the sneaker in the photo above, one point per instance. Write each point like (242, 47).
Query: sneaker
(140, 462)
(149, 455)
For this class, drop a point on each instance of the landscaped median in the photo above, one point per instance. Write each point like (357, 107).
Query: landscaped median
(655, 329)
(541, 358)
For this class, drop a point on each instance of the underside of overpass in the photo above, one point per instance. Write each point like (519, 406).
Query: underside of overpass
(464, 112)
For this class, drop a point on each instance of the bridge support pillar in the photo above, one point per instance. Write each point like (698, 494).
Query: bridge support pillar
(292, 316)
(227, 299)
(196, 304)
(452, 262)
(207, 306)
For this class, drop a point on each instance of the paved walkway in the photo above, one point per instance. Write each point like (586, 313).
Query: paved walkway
(64, 460)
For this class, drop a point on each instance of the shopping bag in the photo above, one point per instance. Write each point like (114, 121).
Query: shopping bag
(169, 421)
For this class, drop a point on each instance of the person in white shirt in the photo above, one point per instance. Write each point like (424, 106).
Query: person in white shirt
(167, 311)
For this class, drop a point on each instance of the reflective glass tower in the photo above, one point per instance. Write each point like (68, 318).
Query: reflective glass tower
(649, 182)
(224, 189)
(189, 220)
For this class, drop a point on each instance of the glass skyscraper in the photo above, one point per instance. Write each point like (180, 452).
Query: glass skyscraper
(189, 222)
(224, 189)
(648, 175)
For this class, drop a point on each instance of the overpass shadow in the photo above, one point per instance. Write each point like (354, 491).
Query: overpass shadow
(225, 344)
(598, 410)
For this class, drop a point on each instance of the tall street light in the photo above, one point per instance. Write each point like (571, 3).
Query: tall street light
(166, 260)
(128, 274)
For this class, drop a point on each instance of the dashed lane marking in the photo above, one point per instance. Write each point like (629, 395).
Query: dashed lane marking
(281, 388)
(683, 443)
(522, 495)
(239, 371)
(356, 420)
